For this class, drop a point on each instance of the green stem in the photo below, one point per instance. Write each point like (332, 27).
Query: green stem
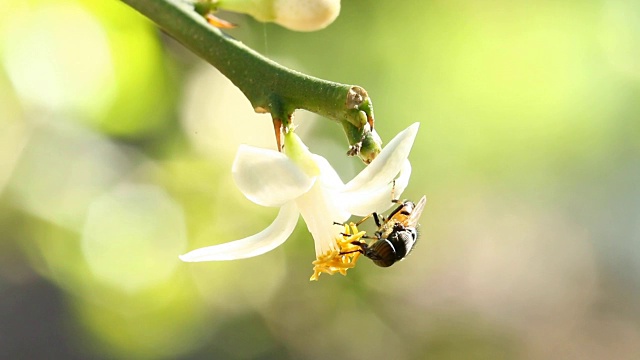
(269, 86)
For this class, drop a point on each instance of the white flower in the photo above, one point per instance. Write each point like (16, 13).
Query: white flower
(302, 183)
(305, 15)
(297, 15)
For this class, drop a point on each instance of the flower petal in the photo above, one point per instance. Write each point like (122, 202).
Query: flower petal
(332, 187)
(320, 208)
(368, 199)
(328, 174)
(266, 240)
(267, 177)
(387, 164)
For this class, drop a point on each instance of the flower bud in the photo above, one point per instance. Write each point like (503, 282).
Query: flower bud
(297, 15)
(306, 15)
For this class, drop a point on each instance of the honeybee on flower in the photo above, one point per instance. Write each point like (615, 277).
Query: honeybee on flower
(303, 183)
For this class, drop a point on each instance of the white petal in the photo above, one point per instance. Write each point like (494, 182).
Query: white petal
(267, 177)
(331, 186)
(320, 208)
(369, 199)
(330, 177)
(387, 164)
(266, 240)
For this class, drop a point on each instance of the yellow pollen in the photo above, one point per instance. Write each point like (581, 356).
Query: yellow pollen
(342, 258)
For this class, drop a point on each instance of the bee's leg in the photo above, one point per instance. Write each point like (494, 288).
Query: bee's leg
(346, 235)
(352, 251)
(362, 247)
(361, 237)
(379, 219)
(394, 199)
(365, 219)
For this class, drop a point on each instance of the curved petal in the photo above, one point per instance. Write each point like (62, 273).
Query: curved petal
(387, 164)
(329, 177)
(267, 177)
(366, 200)
(320, 208)
(331, 186)
(266, 240)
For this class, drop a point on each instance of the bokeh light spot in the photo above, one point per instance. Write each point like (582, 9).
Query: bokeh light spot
(61, 64)
(133, 236)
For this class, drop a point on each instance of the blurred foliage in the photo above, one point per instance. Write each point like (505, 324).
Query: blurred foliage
(115, 154)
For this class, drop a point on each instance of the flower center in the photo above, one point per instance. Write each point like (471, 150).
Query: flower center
(342, 257)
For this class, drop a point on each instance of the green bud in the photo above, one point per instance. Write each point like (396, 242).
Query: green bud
(363, 142)
(371, 147)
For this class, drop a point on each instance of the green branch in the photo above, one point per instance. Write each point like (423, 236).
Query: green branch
(269, 86)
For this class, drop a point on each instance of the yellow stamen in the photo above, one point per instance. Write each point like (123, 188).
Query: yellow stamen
(341, 259)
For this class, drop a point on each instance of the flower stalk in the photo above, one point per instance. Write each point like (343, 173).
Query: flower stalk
(269, 86)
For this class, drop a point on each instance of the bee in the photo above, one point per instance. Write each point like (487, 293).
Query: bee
(396, 234)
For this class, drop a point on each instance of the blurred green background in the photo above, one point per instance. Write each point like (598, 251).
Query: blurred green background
(115, 151)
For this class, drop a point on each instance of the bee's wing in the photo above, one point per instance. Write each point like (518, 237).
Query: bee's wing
(412, 220)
